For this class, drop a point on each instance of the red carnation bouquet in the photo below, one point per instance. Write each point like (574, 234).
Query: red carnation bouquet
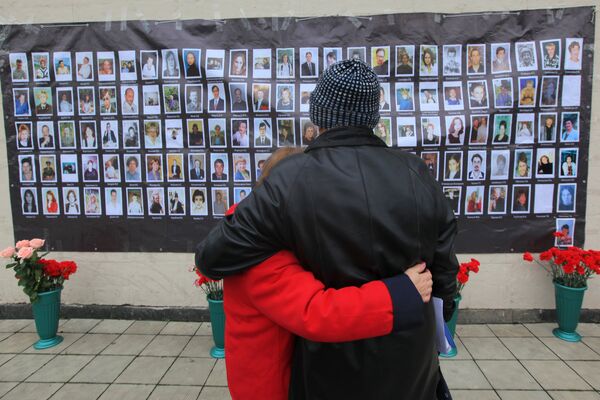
(463, 273)
(212, 288)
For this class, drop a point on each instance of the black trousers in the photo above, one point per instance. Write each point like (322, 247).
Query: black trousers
(442, 391)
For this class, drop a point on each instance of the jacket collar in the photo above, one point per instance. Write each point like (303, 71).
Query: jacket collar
(346, 136)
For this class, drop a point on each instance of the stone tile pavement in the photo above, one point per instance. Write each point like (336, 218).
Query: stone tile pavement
(130, 360)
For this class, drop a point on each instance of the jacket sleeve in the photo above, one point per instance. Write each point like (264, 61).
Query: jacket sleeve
(294, 299)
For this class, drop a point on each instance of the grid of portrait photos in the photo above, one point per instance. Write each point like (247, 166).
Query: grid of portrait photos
(185, 132)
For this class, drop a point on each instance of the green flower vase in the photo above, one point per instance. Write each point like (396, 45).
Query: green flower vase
(46, 312)
(452, 327)
(217, 320)
(568, 310)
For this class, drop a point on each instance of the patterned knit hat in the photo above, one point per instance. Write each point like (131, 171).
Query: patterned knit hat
(346, 95)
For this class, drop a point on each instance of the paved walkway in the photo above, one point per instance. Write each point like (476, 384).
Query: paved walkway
(130, 360)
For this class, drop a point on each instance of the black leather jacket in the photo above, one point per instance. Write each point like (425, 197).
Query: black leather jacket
(352, 210)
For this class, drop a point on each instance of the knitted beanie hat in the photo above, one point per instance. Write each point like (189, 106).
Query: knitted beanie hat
(346, 95)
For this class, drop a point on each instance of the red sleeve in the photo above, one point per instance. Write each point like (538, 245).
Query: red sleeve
(292, 298)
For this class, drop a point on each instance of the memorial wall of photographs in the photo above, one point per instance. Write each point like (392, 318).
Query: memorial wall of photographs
(141, 139)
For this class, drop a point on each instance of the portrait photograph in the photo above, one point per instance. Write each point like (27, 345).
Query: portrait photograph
(217, 102)
(217, 131)
(407, 131)
(380, 60)
(573, 54)
(29, 201)
(523, 161)
(42, 98)
(428, 65)
(239, 99)
(453, 96)
(497, 199)
(479, 129)
(151, 98)
(501, 63)
(383, 130)
(66, 134)
(453, 166)
(308, 130)
(286, 132)
(430, 131)
(156, 201)
(135, 202)
(149, 64)
(569, 127)
(198, 203)
(474, 200)
(197, 167)
(261, 67)
(452, 60)
(455, 130)
(384, 97)
(195, 130)
(502, 129)
(550, 54)
(305, 91)
(41, 67)
(131, 134)
(309, 62)
(193, 98)
(331, 55)
(261, 94)
(566, 197)
(356, 53)
(526, 56)
(240, 193)
(478, 95)
(568, 163)
(547, 123)
(431, 161)
(499, 164)
(542, 201)
(113, 197)
(545, 159)
(428, 96)
(476, 60)
(127, 65)
(174, 133)
(109, 134)
(130, 100)
(191, 63)
(84, 64)
(64, 100)
(238, 63)
(566, 226)
(45, 135)
(176, 200)
(86, 101)
(111, 168)
(107, 100)
(154, 168)
(240, 133)
(220, 201)
(503, 93)
(241, 166)
(71, 201)
(285, 98)
(259, 162)
(21, 102)
(549, 91)
(215, 63)
(89, 137)
(24, 135)
(175, 171)
(521, 199)
(528, 91)
(51, 201)
(171, 99)
(405, 60)
(525, 128)
(27, 169)
(170, 64)
(263, 135)
(285, 63)
(106, 65)
(477, 165)
(89, 167)
(63, 68)
(152, 134)
(219, 167)
(19, 67)
(453, 194)
(133, 167)
(571, 91)
(405, 100)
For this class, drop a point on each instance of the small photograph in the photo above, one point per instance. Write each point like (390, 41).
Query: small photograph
(431, 161)
(220, 200)
(357, 53)
(215, 63)
(405, 59)
(240, 135)
(135, 202)
(453, 96)
(240, 193)
(452, 194)
(479, 129)
(41, 70)
(170, 64)
(568, 163)
(191, 63)
(305, 90)
(573, 54)
(66, 130)
(477, 165)
(567, 193)
(197, 163)
(21, 100)
(24, 137)
(217, 128)
(499, 164)
(112, 168)
(453, 166)
(84, 62)
(175, 165)
(42, 97)
(549, 92)
(380, 60)
(151, 99)
(19, 67)
(525, 131)
(550, 54)
(108, 100)
(51, 201)
(106, 65)
(219, 163)
(383, 130)
(45, 135)
(526, 56)
(193, 99)
(384, 96)
(542, 202)
(521, 199)
(455, 130)
(241, 162)
(502, 128)
(216, 102)
(285, 98)
(527, 91)
(285, 63)
(148, 64)
(195, 129)
(545, 163)
(114, 200)
(110, 134)
(27, 169)
(476, 59)
(429, 60)
(474, 200)
(547, 123)
(478, 95)
(133, 167)
(177, 202)
(29, 203)
(260, 159)
(497, 200)
(152, 134)
(503, 93)
(405, 100)
(238, 63)
(131, 134)
(129, 94)
(566, 227)
(71, 201)
(331, 55)
(93, 201)
(239, 96)
(570, 127)
(407, 128)
(198, 204)
(310, 131)
(452, 59)
(523, 160)
(86, 100)
(501, 58)
(64, 99)
(171, 99)
(89, 139)
(428, 96)
(156, 201)
(63, 70)
(154, 168)
(261, 95)
(261, 68)
(127, 65)
(430, 131)
(263, 135)
(571, 91)
(174, 133)
(89, 165)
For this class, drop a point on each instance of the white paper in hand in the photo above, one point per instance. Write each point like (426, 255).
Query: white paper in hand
(443, 345)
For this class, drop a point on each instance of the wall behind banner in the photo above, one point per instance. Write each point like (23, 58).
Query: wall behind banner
(153, 279)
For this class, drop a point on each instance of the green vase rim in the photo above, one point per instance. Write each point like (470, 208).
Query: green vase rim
(212, 300)
(50, 292)
(458, 297)
(570, 288)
